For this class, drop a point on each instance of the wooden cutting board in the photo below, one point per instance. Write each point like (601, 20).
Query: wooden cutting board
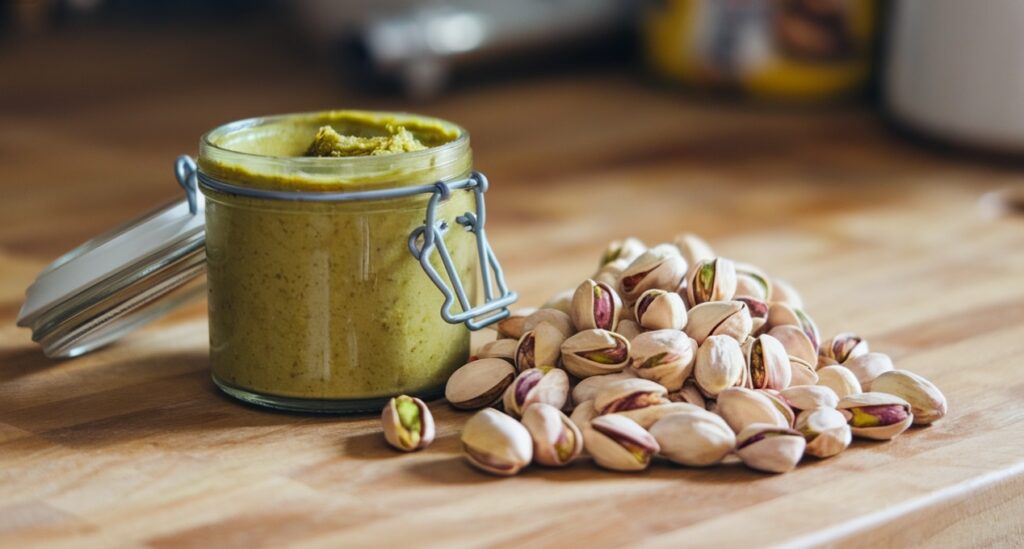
(133, 445)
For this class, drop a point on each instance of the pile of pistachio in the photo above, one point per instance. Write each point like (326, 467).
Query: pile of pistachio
(670, 352)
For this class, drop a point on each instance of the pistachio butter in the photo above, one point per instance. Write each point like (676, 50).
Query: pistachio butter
(319, 304)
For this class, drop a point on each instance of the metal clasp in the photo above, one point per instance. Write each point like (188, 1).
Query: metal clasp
(186, 173)
(495, 305)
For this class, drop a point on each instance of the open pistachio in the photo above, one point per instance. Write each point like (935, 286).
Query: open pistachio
(588, 387)
(626, 249)
(555, 317)
(877, 416)
(595, 352)
(796, 343)
(628, 329)
(660, 310)
(583, 413)
(595, 305)
(803, 372)
(649, 415)
(868, 367)
(780, 404)
(697, 438)
(629, 394)
(540, 346)
(770, 448)
(731, 318)
(839, 379)
(740, 407)
(562, 302)
(844, 346)
(655, 268)
(711, 280)
(544, 384)
(782, 314)
(768, 363)
(752, 282)
(556, 440)
(663, 356)
(504, 349)
(809, 397)
(407, 423)
(512, 327)
(619, 444)
(927, 402)
(719, 365)
(784, 292)
(825, 430)
(496, 443)
(689, 394)
(479, 383)
(693, 248)
(758, 313)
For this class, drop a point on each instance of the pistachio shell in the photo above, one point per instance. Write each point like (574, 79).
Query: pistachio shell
(555, 317)
(825, 430)
(796, 343)
(770, 448)
(562, 302)
(740, 407)
(803, 373)
(595, 352)
(752, 282)
(693, 248)
(610, 273)
(625, 250)
(719, 365)
(504, 349)
(869, 366)
(628, 329)
(556, 440)
(664, 356)
(408, 424)
(660, 310)
(697, 438)
(768, 363)
(731, 318)
(927, 402)
(595, 305)
(496, 443)
(877, 416)
(479, 383)
(809, 397)
(619, 444)
(655, 268)
(512, 327)
(711, 280)
(780, 404)
(583, 413)
(539, 346)
(547, 385)
(784, 292)
(649, 415)
(781, 314)
(843, 347)
(839, 379)
(689, 394)
(588, 387)
(629, 394)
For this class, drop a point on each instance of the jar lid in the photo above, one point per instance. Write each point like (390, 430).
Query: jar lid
(120, 280)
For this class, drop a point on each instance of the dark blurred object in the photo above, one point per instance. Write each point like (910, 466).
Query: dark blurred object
(420, 45)
(953, 71)
(26, 17)
(804, 50)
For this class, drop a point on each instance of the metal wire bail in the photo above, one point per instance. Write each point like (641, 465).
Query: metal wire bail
(186, 172)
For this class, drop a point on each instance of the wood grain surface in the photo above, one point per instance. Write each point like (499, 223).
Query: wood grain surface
(133, 445)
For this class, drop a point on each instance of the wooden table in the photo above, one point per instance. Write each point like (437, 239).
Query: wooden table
(133, 445)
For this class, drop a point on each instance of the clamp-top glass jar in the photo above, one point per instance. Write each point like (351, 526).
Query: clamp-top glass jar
(315, 301)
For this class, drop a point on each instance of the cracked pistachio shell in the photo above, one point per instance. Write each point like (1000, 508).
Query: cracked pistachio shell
(803, 372)
(562, 301)
(504, 349)
(663, 356)
(740, 407)
(768, 363)
(649, 415)
(610, 273)
(752, 282)
(588, 387)
(513, 326)
(629, 394)
(595, 305)
(780, 404)
(496, 443)
(784, 292)
(697, 438)
(625, 250)
(878, 416)
(555, 317)
(594, 353)
(825, 430)
(556, 440)
(824, 361)
(693, 248)
(618, 443)
(479, 383)
(796, 343)
(843, 347)
(758, 314)
(544, 384)
(809, 397)
(730, 318)
(868, 367)
(655, 268)
(770, 448)
(660, 310)
(781, 314)
(628, 329)
(719, 365)
(927, 402)
(839, 379)
(407, 423)
(689, 394)
(583, 413)
(540, 346)
(711, 280)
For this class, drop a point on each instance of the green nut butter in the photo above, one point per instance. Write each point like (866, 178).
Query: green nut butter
(320, 306)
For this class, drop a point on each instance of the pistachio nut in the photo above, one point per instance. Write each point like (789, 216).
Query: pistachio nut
(562, 301)
(504, 349)
(629, 394)
(660, 310)
(731, 318)
(809, 397)
(610, 273)
(594, 353)
(649, 415)
(655, 268)
(479, 383)
(740, 407)
(878, 416)
(711, 280)
(839, 379)
(758, 313)
(780, 404)
(556, 440)
(719, 365)
(753, 283)
(781, 314)
(770, 448)
(843, 347)
(796, 343)
(588, 387)
(697, 438)
(583, 413)
(618, 443)
(803, 372)
(496, 443)
(628, 329)
(663, 356)
(784, 292)
(824, 361)
(512, 326)
(595, 305)
(407, 423)
(825, 430)
(556, 317)
(768, 363)
(693, 248)
(544, 384)
(689, 394)
(927, 402)
(626, 249)
(540, 346)
(868, 367)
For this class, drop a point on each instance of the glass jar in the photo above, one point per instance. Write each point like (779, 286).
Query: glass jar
(315, 301)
